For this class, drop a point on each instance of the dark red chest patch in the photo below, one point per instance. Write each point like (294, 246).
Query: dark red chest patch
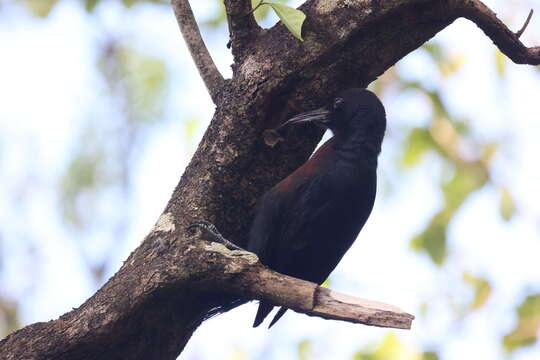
(324, 157)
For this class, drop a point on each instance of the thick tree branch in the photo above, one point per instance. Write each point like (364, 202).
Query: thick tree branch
(243, 29)
(506, 40)
(190, 31)
(259, 282)
(175, 289)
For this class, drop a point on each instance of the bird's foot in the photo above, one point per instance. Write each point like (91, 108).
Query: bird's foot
(212, 233)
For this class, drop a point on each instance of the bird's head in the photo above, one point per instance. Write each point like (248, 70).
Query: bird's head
(352, 111)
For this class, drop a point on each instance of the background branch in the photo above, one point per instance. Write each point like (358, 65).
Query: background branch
(524, 27)
(190, 31)
(506, 40)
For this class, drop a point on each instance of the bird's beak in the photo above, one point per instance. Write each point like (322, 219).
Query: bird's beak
(318, 117)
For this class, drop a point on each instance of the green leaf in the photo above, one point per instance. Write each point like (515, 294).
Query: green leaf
(526, 330)
(291, 18)
(262, 11)
(507, 206)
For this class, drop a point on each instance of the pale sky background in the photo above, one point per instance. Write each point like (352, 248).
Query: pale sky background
(47, 80)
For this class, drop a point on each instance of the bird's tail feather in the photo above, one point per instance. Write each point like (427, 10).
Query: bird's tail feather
(264, 309)
(279, 314)
(262, 312)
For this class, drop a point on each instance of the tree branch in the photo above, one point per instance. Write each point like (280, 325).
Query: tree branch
(192, 36)
(243, 29)
(506, 40)
(259, 282)
(178, 284)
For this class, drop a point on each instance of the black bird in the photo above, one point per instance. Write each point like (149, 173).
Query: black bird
(304, 225)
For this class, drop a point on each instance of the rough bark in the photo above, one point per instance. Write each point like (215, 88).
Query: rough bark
(174, 280)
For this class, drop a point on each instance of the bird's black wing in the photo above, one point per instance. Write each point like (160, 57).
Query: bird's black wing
(308, 218)
(264, 237)
(282, 217)
(323, 222)
(264, 232)
(267, 231)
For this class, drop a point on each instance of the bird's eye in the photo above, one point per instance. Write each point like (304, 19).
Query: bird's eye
(337, 103)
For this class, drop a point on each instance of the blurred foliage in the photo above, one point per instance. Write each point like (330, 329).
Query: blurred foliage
(526, 330)
(9, 319)
(90, 5)
(446, 135)
(85, 173)
(391, 348)
(449, 139)
(304, 350)
(507, 206)
(500, 63)
(40, 8)
(138, 78)
(238, 354)
(191, 126)
(447, 65)
(482, 290)
(433, 239)
(136, 88)
(417, 144)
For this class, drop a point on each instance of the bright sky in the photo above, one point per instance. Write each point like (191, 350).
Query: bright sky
(47, 78)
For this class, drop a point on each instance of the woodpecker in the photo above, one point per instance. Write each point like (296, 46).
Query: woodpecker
(304, 225)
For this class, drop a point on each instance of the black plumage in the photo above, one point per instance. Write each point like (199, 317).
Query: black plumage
(304, 225)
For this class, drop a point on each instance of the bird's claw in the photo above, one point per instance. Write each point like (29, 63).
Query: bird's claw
(212, 233)
(205, 226)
